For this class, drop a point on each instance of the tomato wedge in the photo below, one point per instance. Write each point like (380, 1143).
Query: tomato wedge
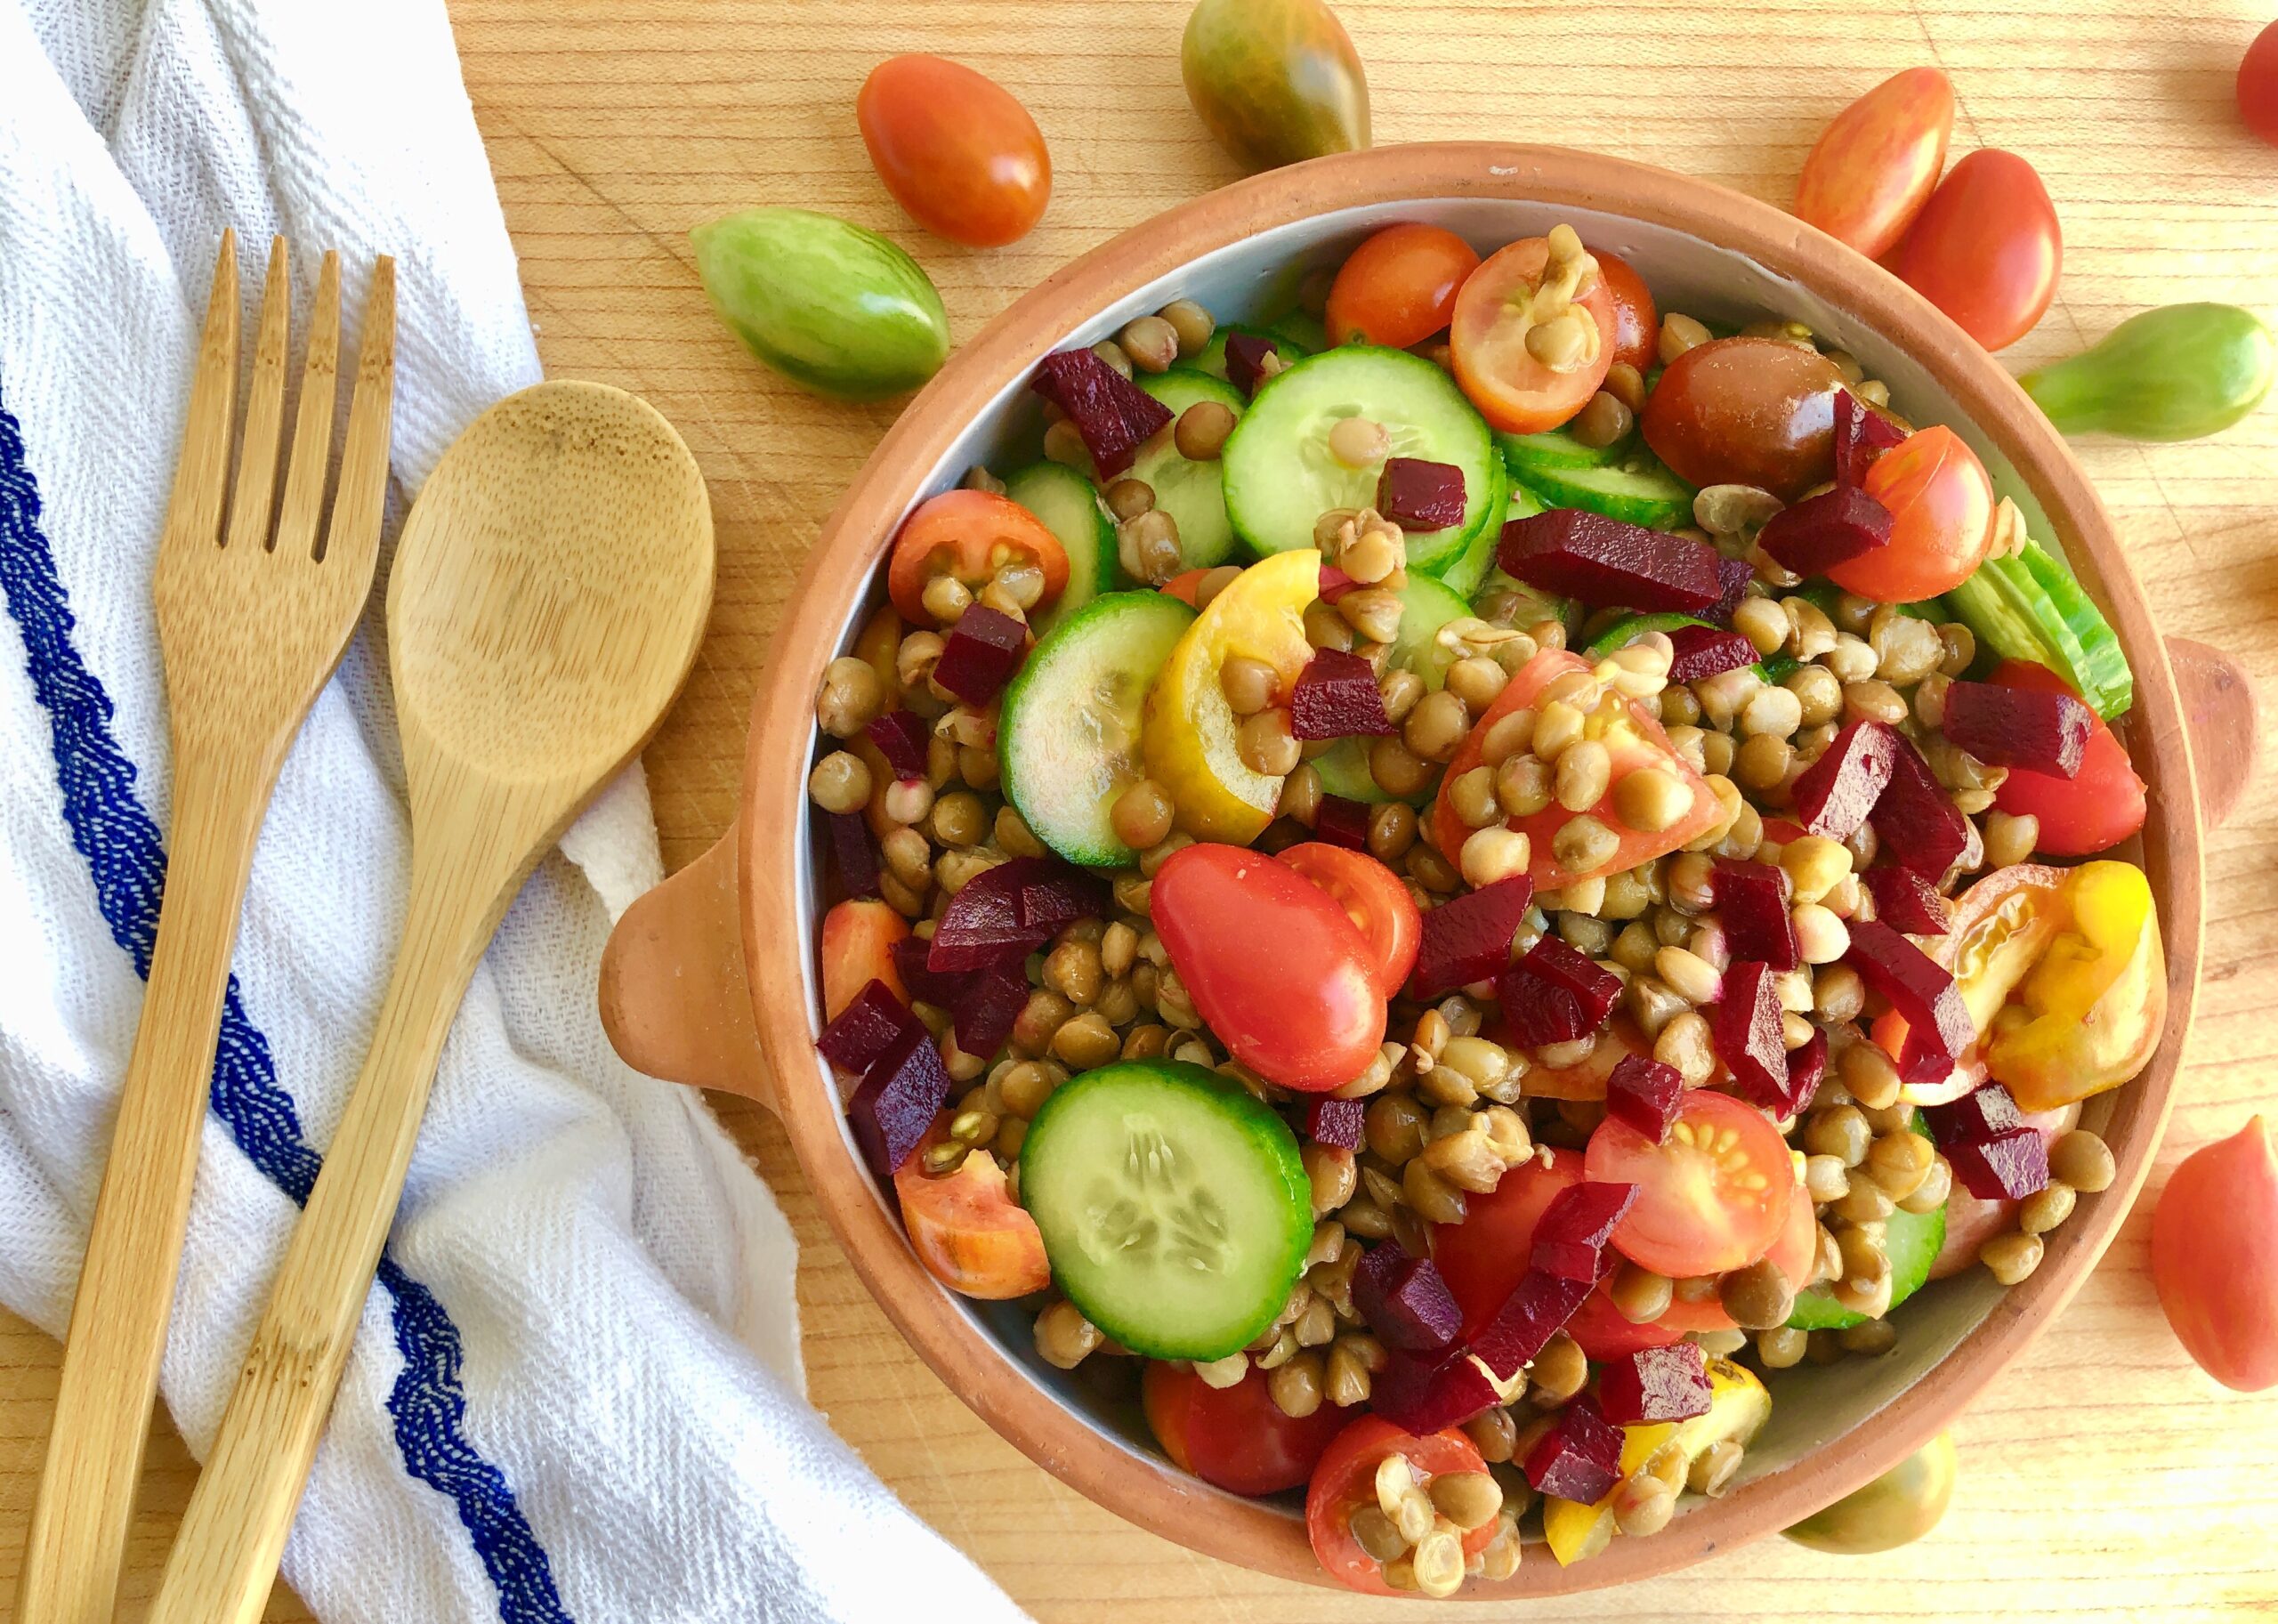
(1637, 323)
(1941, 506)
(858, 940)
(970, 535)
(1346, 1480)
(1236, 1437)
(1712, 1197)
(1512, 389)
(1399, 287)
(1373, 898)
(2094, 810)
(967, 1230)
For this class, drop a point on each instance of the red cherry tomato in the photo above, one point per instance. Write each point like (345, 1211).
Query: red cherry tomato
(1373, 898)
(956, 149)
(1512, 390)
(1399, 287)
(2259, 84)
(1941, 506)
(970, 535)
(1272, 964)
(967, 1230)
(1874, 167)
(1986, 249)
(858, 940)
(1346, 1480)
(2098, 807)
(1637, 323)
(1712, 1197)
(1236, 1437)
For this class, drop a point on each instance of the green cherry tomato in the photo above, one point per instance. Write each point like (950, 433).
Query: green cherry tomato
(835, 309)
(1276, 81)
(2175, 373)
(1897, 1508)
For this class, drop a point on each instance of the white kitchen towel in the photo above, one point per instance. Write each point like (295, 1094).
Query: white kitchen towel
(574, 1392)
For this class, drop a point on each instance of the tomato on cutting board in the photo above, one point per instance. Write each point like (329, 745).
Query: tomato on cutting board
(1236, 1437)
(1399, 287)
(1373, 898)
(1496, 363)
(1345, 1481)
(956, 149)
(1876, 164)
(1985, 248)
(1712, 1197)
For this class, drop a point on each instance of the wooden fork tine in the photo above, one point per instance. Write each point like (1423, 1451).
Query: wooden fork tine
(362, 488)
(264, 409)
(303, 504)
(202, 472)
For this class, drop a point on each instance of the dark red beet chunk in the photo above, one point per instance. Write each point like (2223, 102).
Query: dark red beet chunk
(1004, 912)
(1581, 1457)
(1752, 904)
(1112, 414)
(1342, 823)
(1806, 1067)
(1836, 793)
(1570, 1242)
(986, 1007)
(1404, 1300)
(2019, 727)
(1424, 1393)
(1705, 650)
(1646, 1093)
(1419, 495)
(1536, 1311)
(1608, 564)
(1976, 1117)
(901, 738)
(1595, 986)
(1746, 1028)
(1333, 1122)
(1053, 893)
(1337, 697)
(981, 654)
(1246, 356)
(1915, 820)
(866, 1029)
(1656, 1383)
(2007, 1167)
(854, 852)
(1922, 990)
(1822, 531)
(901, 1095)
(1862, 434)
(1539, 1012)
(1733, 577)
(1908, 901)
(1468, 938)
(922, 983)
(1334, 584)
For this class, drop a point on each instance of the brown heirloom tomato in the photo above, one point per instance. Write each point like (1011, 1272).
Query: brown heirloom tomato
(1875, 165)
(1747, 411)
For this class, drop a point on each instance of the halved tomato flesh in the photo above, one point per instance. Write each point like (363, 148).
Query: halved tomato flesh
(1373, 898)
(1711, 1197)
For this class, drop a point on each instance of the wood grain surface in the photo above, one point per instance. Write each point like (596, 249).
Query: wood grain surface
(2104, 1478)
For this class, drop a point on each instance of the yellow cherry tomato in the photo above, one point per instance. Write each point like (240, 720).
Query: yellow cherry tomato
(2089, 1014)
(1575, 1531)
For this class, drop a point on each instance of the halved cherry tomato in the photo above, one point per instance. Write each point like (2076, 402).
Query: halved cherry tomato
(1346, 1480)
(1637, 323)
(1236, 1437)
(1985, 248)
(1373, 898)
(970, 535)
(858, 940)
(1186, 585)
(1513, 390)
(2094, 810)
(956, 149)
(967, 1230)
(1712, 1197)
(1399, 287)
(1875, 165)
(1941, 506)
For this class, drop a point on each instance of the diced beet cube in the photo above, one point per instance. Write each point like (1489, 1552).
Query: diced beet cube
(901, 738)
(866, 1029)
(981, 654)
(1246, 354)
(1656, 1383)
(986, 1007)
(1004, 912)
(1053, 893)
(1909, 901)
(1646, 1093)
(1426, 1393)
(1334, 584)
(1806, 1067)
(1536, 1311)
(855, 852)
(922, 984)
(1114, 415)
(1468, 938)
(1580, 1458)
(1752, 905)
(1836, 793)
(1419, 495)
(1732, 578)
(1915, 818)
(1608, 564)
(2007, 1167)
(1985, 1113)
(1537, 1011)
(1342, 823)
(1922, 990)
(1337, 697)
(1404, 1300)
(1747, 1032)
(1862, 435)
(1822, 531)
(1707, 651)
(901, 1095)
(1571, 1240)
(1332, 1122)
(1595, 986)
(2018, 727)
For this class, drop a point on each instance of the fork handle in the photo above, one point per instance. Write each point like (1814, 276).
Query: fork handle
(86, 1498)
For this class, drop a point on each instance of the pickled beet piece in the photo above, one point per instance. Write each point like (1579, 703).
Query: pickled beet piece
(1004, 912)
(1608, 564)
(1985, 1113)
(1595, 986)
(1656, 1383)
(1752, 905)
(1334, 584)
(1468, 938)
(1535, 1312)
(1052, 893)
(1862, 434)
(1404, 1300)
(1806, 1067)
(1424, 1394)
(901, 736)
(855, 852)
(1707, 651)
(982, 650)
(922, 984)
(1836, 793)
(1580, 1458)
(2018, 727)
(866, 1029)
(1732, 578)
(1332, 1122)
(1915, 820)
(1420, 495)
(986, 1007)
(1908, 901)
(1922, 990)
(1112, 414)
(1342, 823)
(1646, 1093)
(1539, 1012)
(2007, 1167)
(1335, 697)
(1746, 1027)
(1246, 356)
(1572, 1237)
(1822, 531)
(901, 1094)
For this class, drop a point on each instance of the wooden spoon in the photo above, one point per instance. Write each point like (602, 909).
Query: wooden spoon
(549, 592)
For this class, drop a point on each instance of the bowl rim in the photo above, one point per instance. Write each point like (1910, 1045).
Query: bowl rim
(771, 831)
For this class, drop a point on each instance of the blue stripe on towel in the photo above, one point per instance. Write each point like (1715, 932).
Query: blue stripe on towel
(120, 842)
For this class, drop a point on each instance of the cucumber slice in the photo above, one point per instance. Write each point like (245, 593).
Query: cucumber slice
(1467, 570)
(1069, 731)
(1639, 490)
(2028, 607)
(1070, 509)
(1174, 1207)
(1344, 770)
(1913, 1240)
(1281, 478)
(1212, 360)
(1308, 333)
(2103, 666)
(1426, 605)
(1522, 454)
(1194, 494)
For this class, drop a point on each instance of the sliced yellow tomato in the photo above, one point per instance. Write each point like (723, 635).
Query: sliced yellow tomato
(1738, 1409)
(1574, 1532)
(2089, 1014)
(1189, 731)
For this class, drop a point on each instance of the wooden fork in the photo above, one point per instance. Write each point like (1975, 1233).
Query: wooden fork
(250, 627)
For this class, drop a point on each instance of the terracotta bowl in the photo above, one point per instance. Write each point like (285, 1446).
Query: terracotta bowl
(711, 980)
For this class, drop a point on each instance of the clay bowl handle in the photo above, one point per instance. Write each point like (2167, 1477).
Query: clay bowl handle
(2224, 718)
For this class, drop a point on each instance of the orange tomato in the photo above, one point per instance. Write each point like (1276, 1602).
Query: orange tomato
(1185, 586)
(970, 535)
(1941, 506)
(2215, 1258)
(1986, 248)
(1513, 390)
(967, 1230)
(858, 940)
(956, 149)
(1876, 164)
(1399, 287)
(1637, 323)
(1345, 1479)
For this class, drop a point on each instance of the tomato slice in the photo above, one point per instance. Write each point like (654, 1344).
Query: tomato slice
(1373, 898)
(858, 940)
(1513, 390)
(1346, 1480)
(970, 535)
(1711, 1198)
(1236, 1437)
(2092, 810)
(967, 1230)
(1941, 506)
(1185, 586)
(1399, 287)
(1637, 323)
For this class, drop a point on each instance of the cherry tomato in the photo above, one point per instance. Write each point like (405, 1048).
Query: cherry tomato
(1513, 390)
(1345, 1481)
(1185, 586)
(1236, 1437)
(1637, 323)
(1941, 506)
(967, 1230)
(2258, 85)
(1711, 1197)
(2215, 1258)
(1747, 411)
(1373, 898)
(1985, 249)
(1399, 287)
(858, 940)
(970, 535)
(2096, 808)
(1874, 167)
(956, 149)
(1586, 1079)
(1272, 964)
